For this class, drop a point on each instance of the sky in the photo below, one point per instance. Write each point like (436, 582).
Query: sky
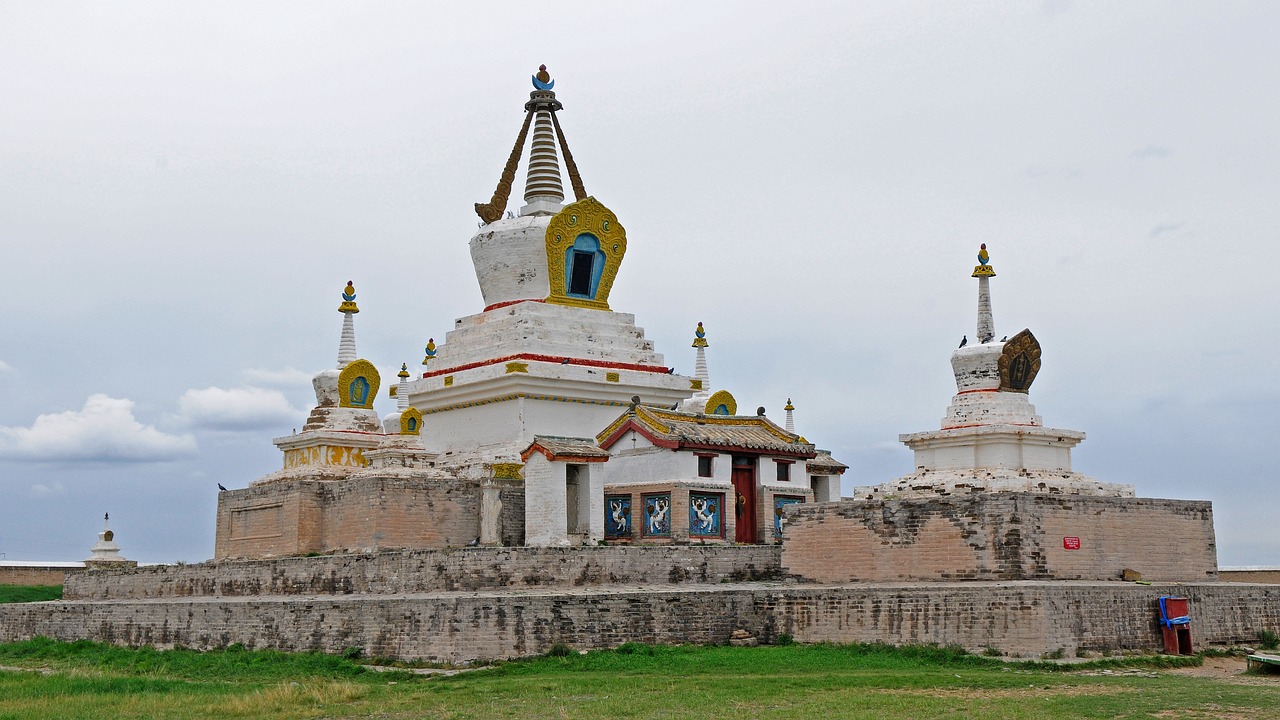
(185, 189)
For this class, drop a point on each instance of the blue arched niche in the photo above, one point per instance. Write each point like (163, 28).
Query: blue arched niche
(583, 266)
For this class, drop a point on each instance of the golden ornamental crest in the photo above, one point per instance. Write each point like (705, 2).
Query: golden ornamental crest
(585, 245)
(1019, 362)
(358, 385)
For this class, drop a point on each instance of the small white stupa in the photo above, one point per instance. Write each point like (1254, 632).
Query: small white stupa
(105, 552)
(991, 439)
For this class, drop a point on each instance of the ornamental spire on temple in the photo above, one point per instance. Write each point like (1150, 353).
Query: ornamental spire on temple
(347, 345)
(543, 192)
(984, 272)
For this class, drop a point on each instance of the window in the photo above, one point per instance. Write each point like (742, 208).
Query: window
(580, 274)
(784, 471)
(704, 466)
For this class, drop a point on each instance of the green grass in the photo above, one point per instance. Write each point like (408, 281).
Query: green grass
(29, 593)
(90, 680)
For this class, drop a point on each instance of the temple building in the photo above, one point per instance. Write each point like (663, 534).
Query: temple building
(547, 418)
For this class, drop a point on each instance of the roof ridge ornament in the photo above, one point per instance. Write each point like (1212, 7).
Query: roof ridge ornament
(347, 344)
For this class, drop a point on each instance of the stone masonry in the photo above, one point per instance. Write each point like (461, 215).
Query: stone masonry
(1006, 536)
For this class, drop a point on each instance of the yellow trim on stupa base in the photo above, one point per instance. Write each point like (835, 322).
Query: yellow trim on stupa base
(611, 377)
(983, 271)
(695, 384)
(584, 217)
(325, 455)
(515, 367)
(526, 396)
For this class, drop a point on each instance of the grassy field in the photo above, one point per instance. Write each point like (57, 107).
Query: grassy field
(29, 593)
(89, 680)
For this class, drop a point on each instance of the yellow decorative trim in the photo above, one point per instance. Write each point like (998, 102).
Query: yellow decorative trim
(722, 397)
(448, 380)
(515, 367)
(586, 216)
(411, 422)
(325, 455)
(508, 471)
(526, 396)
(611, 377)
(983, 271)
(391, 391)
(695, 384)
(353, 374)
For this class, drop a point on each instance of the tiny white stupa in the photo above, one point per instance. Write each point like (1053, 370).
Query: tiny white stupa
(991, 439)
(106, 553)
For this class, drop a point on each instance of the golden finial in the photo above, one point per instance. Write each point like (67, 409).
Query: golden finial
(349, 299)
(984, 269)
(404, 370)
(431, 351)
(700, 337)
(789, 405)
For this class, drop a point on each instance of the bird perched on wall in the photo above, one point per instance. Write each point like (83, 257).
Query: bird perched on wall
(220, 488)
(964, 341)
(1004, 339)
(474, 543)
(564, 361)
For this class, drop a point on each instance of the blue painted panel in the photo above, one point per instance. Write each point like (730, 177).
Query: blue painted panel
(617, 516)
(706, 515)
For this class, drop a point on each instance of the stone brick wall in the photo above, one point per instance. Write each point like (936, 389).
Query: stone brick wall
(418, 571)
(307, 516)
(31, 575)
(1270, 576)
(1009, 536)
(1026, 618)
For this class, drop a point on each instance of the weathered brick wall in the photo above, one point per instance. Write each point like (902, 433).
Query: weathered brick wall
(1009, 536)
(10, 575)
(1027, 618)
(307, 516)
(416, 571)
(1267, 576)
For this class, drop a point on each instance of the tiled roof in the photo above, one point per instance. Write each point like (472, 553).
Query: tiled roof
(555, 447)
(824, 464)
(729, 432)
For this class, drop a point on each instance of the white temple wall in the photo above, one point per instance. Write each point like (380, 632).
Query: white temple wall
(545, 507)
(512, 424)
(826, 488)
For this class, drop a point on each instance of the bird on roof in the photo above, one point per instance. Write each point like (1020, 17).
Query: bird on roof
(1004, 339)
(221, 488)
(964, 341)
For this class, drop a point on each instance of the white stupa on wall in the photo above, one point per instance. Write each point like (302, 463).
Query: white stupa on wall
(991, 439)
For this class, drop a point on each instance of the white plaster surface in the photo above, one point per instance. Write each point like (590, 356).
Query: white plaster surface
(510, 259)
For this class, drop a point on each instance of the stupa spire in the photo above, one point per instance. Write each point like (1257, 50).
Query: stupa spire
(791, 423)
(402, 390)
(347, 345)
(984, 272)
(544, 192)
(700, 365)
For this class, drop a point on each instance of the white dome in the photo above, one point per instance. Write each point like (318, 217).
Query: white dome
(510, 258)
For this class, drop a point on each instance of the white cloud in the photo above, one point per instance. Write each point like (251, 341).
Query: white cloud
(287, 376)
(104, 429)
(40, 492)
(246, 408)
(5, 367)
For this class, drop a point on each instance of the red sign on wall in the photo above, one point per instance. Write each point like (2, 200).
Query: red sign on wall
(1070, 543)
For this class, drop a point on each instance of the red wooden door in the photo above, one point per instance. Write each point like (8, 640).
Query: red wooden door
(744, 486)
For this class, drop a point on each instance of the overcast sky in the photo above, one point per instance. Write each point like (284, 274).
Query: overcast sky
(185, 188)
